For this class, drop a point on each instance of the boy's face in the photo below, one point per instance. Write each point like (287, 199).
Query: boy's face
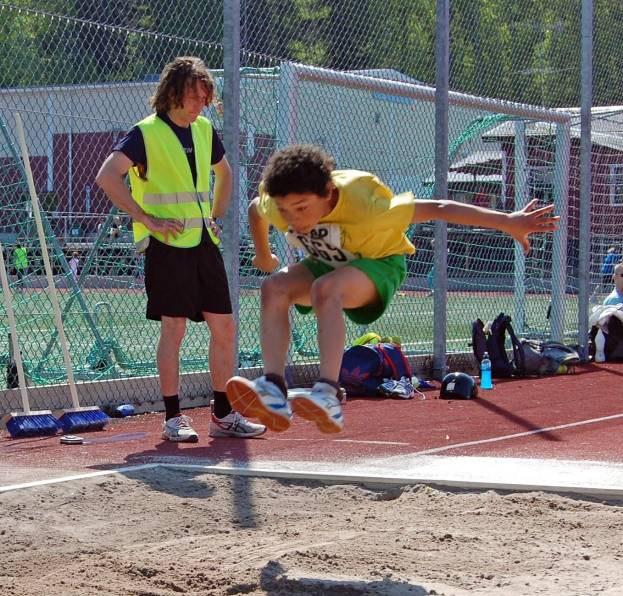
(618, 278)
(195, 98)
(303, 211)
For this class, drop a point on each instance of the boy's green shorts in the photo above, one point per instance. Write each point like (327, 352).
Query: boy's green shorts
(386, 274)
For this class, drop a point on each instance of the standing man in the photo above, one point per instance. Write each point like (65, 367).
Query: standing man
(20, 263)
(73, 265)
(169, 156)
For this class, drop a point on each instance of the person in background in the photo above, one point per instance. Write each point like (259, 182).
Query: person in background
(20, 263)
(616, 296)
(73, 265)
(613, 256)
(115, 228)
(170, 156)
(99, 227)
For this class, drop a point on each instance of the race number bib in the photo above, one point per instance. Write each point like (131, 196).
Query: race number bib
(323, 242)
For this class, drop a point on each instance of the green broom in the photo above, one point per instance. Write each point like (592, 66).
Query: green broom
(26, 423)
(76, 419)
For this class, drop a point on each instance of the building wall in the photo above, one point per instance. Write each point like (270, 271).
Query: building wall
(603, 213)
(388, 135)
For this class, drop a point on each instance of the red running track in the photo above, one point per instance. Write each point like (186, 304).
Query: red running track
(571, 417)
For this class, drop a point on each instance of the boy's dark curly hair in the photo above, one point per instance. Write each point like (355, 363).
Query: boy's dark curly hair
(176, 76)
(298, 169)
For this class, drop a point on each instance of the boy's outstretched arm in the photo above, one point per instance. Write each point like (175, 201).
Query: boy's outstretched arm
(264, 260)
(518, 224)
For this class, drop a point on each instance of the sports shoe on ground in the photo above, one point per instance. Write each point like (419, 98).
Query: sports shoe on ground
(402, 389)
(178, 429)
(322, 406)
(234, 425)
(260, 399)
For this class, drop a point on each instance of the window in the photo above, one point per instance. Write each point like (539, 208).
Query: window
(541, 183)
(616, 184)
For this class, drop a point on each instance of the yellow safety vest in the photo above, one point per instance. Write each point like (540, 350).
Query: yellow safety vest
(169, 191)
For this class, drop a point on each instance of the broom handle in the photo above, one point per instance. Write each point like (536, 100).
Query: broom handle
(8, 302)
(58, 320)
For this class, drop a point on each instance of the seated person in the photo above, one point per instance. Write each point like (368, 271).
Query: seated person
(616, 296)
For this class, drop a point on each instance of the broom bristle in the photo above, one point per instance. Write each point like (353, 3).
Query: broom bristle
(32, 425)
(83, 419)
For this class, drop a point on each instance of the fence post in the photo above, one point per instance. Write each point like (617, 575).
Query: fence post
(231, 140)
(586, 102)
(286, 134)
(521, 193)
(441, 186)
(559, 244)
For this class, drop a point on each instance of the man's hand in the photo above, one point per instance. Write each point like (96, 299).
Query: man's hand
(166, 227)
(531, 220)
(216, 226)
(267, 264)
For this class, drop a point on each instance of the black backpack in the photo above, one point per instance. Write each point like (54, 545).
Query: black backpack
(493, 341)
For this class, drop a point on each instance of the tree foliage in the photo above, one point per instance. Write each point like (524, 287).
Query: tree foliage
(526, 51)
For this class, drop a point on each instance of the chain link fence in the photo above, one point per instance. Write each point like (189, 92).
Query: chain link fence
(352, 76)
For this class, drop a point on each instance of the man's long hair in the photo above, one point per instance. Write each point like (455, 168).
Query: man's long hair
(176, 77)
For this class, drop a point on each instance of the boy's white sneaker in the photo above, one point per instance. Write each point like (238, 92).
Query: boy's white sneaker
(178, 429)
(260, 399)
(234, 425)
(322, 406)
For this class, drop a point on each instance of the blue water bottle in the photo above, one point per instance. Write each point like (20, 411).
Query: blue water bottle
(485, 372)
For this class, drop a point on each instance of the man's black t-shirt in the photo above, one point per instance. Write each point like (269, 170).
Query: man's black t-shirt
(132, 145)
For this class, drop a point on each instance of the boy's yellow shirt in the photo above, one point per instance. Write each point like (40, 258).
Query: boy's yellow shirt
(368, 221)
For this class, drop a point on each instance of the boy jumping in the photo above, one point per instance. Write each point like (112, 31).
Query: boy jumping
(353, 230)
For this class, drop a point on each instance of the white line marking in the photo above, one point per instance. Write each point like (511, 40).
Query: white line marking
(604, 485)
(516, 435)
(469, 443)
(370, 442)
(293, 439)
(4, 489)
(599, 478)
(343, 441)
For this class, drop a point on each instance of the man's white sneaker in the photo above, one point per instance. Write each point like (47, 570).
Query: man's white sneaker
(178, 429)
(234, 425)
(322, 406)
(260, 399)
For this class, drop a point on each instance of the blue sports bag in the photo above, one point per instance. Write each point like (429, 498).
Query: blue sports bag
(365, 368)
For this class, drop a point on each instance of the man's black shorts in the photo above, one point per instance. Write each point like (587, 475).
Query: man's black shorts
(184, 282)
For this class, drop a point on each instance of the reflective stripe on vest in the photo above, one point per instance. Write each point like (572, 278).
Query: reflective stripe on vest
(169, 191)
